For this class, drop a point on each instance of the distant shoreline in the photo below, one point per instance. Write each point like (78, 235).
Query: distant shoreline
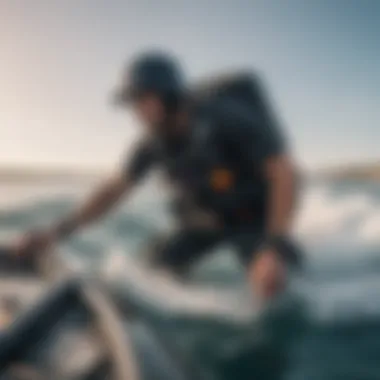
(355, 172)
(21, 174)
(25, 174)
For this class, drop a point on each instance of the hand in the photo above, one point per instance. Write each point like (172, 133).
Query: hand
(267, 273)
(34, 243)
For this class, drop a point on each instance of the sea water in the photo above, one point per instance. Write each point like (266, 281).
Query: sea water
(339, 226)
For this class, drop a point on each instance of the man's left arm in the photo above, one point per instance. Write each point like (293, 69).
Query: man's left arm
(262, 143)
(272, 155)
(269, 153)
(280, 174)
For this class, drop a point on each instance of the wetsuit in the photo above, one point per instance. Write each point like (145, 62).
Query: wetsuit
(218, 165)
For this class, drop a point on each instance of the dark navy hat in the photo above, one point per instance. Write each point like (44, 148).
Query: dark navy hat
(151, 72)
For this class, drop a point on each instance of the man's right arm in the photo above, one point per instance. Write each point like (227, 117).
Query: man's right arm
(101, 202)
(112, 191)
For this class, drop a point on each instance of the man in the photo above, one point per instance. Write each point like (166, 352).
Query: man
(226, 160)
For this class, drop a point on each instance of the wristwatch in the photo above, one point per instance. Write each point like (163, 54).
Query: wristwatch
(286, 247)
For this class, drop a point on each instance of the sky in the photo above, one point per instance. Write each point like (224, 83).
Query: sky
(61, 60)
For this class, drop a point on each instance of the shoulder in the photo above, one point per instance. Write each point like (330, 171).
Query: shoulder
(234, 119)
(225, 113)
(229, 92)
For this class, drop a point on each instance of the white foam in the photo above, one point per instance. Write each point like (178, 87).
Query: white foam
(369, 229)
(325, 216)
(163, 291)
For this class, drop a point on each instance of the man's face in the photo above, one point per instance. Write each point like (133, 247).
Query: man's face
(150, 110)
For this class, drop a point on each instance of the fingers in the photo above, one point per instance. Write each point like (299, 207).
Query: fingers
(267, 274)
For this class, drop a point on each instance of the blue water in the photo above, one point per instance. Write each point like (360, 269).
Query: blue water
(339, 224)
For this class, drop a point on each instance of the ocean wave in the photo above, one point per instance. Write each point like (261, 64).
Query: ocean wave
(347, 218)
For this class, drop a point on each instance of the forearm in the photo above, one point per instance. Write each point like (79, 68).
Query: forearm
(282, 190)
(101, 202)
